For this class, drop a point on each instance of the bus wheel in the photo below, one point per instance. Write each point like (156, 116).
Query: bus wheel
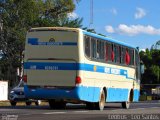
(100, 105)
(126, 104)
(90, 105)
(28, 103)
(38, 102)
(51, 103)
(13, 103)
(57, 104)
(60, 105)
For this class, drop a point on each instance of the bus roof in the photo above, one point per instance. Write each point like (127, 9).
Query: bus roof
(108, 39)
(84, 32)
(54, 28)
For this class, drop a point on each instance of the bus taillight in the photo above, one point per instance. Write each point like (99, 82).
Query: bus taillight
(25, 78)
(78, 80)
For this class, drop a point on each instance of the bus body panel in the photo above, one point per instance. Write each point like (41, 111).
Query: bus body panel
(59, 62)
(50, 56)
(51, 44)
(51, 72)
(117, 89)
(79, 93)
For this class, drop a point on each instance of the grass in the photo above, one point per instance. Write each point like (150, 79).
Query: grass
(4, 103)
(7, 103)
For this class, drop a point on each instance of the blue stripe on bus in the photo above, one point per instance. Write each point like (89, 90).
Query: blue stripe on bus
(35, 41)
(120, 94)
(50, 66)
(102, 69)
(75, 66)
(84, 93)
(107, 39)
(79, 93)
(136, 94)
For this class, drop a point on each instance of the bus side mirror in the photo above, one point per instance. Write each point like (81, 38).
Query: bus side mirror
(142, 68)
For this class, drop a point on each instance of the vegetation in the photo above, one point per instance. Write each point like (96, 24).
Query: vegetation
(18, 16)
(151, 60)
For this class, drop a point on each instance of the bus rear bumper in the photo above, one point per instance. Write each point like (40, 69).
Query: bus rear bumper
(80, 93)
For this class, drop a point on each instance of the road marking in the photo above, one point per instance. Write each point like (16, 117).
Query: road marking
(48, 113)
(148, 103)
(80, 111)
(26, 114)
(155, 107)
(137, 109)
(117, 110)
(55, 113)
(144, 108)
(134, 108)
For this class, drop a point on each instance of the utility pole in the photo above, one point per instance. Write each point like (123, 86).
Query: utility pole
(91, 12)
(1, 28)
(1, 32)
(1, 24)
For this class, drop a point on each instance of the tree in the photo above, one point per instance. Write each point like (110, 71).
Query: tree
(92, 31)
(156, 45)
(151, 60)
(19, 16)
(155, 70)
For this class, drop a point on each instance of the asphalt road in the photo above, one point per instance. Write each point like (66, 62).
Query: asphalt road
(140, 110)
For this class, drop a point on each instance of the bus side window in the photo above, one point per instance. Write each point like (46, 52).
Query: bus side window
(123, 55)
(120, 54)
(131, 55)
(93, 48)
(117, 54)
(127, 57)
(112, 53)
(100, 50)
(108, 51)
(87, 46)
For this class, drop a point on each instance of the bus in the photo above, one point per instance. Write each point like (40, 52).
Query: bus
(70, 65)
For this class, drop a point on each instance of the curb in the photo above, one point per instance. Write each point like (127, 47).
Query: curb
(148, 101)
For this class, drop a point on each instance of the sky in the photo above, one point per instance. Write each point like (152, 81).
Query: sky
(136, 22)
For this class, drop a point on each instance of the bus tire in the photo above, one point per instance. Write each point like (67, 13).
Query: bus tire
(126, 105)
(51, 103)
(100, 105)
(38, 102)
(13, 103)
(57, 104)
(60, 105)
(90, 105)
(28, 103)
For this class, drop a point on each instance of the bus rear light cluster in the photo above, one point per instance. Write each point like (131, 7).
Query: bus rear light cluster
(25, 78)
(78, 80)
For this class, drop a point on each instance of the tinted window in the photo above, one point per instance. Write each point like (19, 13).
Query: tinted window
(87, 46)
(131, 53)
(108, 51)
(100, 49)
(93, 48)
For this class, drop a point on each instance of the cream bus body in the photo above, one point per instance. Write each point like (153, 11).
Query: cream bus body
(57, 68)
